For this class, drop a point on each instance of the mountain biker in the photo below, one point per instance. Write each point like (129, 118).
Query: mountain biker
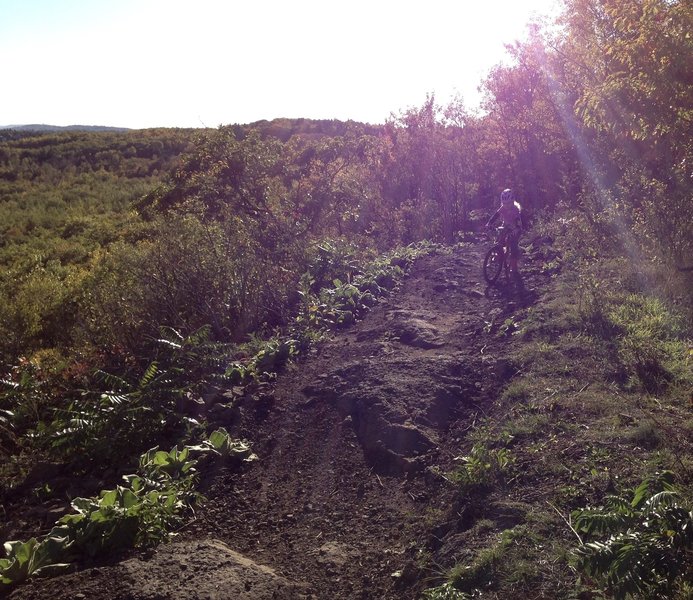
(510, 213)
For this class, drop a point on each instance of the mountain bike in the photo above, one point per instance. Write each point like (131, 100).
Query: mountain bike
(496, 259)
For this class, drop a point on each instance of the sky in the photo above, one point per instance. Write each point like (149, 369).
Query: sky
(205, 63)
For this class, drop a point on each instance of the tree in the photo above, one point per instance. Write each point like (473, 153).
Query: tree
(529, 125)
(631, 66)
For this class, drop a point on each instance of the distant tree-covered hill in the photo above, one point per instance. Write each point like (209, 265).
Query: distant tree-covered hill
(55, 128)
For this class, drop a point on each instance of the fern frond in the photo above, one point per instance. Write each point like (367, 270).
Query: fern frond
(110, 399)
(597, 521)
(10, 384)
(617, 503)
(199, 337)
(113, 381)
(651, 485)
(649, 544)
(149, 375)
(169, 343)
(171, 335)
(661, 499)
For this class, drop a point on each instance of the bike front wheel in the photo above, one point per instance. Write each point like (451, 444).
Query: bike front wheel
(493, 263)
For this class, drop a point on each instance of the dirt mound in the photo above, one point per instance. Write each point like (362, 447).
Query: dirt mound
(205, 569)
(345, 497)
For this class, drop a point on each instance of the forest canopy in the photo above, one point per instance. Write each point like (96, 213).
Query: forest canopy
(107, 236)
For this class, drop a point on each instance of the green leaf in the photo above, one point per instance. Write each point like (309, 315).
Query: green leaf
(129, 499)
(219, 438)
(108, 498)
(149, 375)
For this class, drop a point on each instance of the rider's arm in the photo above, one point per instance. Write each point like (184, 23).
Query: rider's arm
(493, 218)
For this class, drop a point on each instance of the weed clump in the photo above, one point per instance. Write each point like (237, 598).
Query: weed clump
(646, 435)
(483, 467)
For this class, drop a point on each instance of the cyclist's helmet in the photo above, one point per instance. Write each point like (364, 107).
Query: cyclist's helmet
(507, 196)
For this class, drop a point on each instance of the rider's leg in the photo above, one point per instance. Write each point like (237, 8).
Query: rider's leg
(514, 254)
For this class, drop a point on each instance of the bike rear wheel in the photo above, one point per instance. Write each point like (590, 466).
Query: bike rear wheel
(493, 263)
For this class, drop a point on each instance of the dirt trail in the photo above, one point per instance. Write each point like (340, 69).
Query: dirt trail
(344, 502)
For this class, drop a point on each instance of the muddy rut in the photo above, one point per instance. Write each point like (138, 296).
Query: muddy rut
(347, 499)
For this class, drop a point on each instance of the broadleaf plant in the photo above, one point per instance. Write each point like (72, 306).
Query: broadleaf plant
(140, 513)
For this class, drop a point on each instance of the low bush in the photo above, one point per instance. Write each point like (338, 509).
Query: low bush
(639, 545)
(140, 513)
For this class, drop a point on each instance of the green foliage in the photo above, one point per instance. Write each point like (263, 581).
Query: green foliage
(339, 304)
(23, 397)
(640, 545)
(140, 513)
(490, 564)
(118, 414)
(63, 198)
(224, 445)
(129, 413)
(342, 303)
(647, 337)
(507, 328)
(634, 95)
(483, 466)
(650, 344)
(516, 391)
(186, 275)
(445, 591)
(504, 560)
(27, 559)
(331, 259)
(595, 300)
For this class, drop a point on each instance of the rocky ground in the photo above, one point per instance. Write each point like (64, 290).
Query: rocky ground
(349, 497)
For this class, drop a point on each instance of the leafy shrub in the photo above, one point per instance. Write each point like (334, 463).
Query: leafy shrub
(140, 513)
(640, 545)
(187, 274)
(129, 413)
(331, 259)
(483, 466)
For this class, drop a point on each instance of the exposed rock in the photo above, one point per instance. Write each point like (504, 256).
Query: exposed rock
(418, 333)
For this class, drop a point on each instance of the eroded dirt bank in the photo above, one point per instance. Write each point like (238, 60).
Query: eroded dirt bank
(347, 499)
